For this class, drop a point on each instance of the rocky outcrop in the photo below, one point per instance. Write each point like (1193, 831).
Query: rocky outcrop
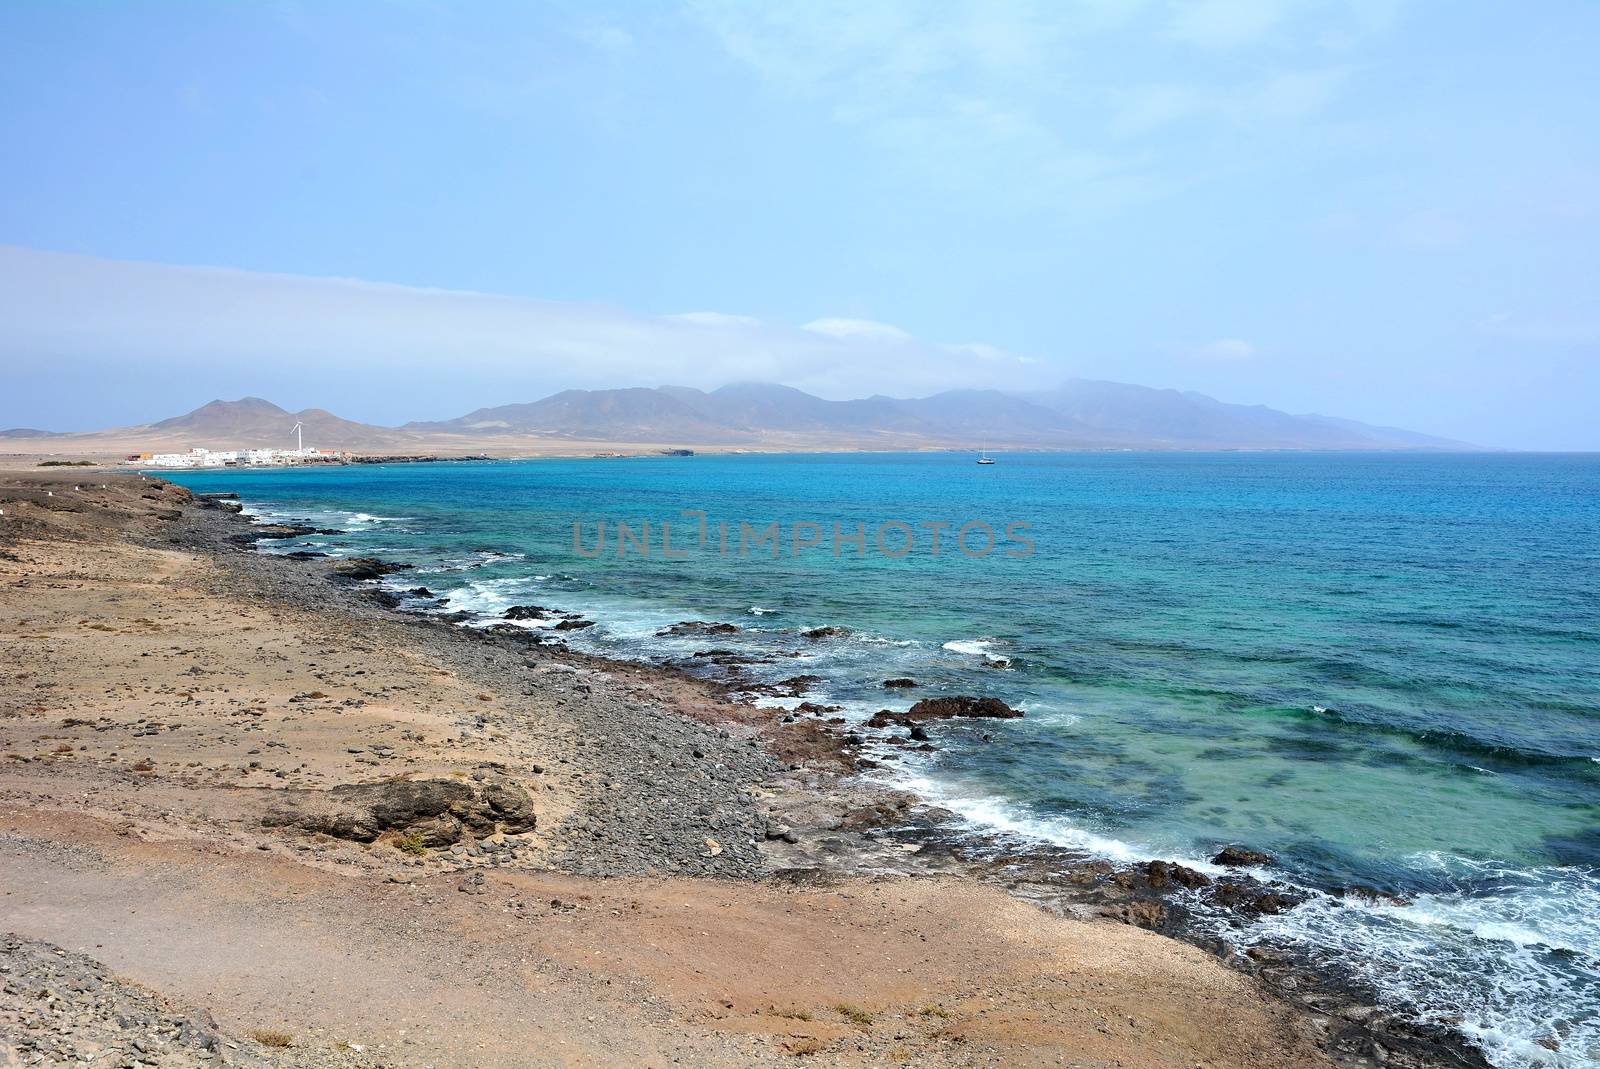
(526, 612)
(795, 686)
(1161, 875)
(698, 627)
(1241, 857)
(962, 706)
(900, 682)
(436, 811)
(358, 568)
(826, 632)
(1250, 898)
(958, 707)
(276, 530)
(1141, 913)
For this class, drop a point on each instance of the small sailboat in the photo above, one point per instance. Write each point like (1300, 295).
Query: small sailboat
(984, 457)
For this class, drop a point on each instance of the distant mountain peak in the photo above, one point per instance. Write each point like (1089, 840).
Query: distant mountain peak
(1081, 413)
(1078, 414)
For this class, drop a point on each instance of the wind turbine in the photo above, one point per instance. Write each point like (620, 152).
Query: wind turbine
(299, 439)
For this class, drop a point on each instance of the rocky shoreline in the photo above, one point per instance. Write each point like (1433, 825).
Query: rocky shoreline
(794, 785)
(646, 771)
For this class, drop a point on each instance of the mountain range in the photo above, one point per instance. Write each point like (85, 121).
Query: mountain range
(1079, 414)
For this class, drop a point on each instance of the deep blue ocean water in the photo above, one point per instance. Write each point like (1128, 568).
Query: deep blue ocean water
(1383, 669)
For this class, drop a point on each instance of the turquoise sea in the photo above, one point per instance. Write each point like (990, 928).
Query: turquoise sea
(1382, 669)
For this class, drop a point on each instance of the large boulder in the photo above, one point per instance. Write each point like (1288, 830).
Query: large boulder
(698, 627)
(280, 530)
(438, 811)
(962, 706)
(826, 632)
(1251, 899)
(356, 568)
(1241, 857)
(1162, 875)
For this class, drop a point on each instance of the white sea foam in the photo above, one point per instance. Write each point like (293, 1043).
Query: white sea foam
(344, 519)
(1505, 966)
(768, 701)
(1510, 960)
(991, 813)
(367, 519)
(757, 610)
(978, 647)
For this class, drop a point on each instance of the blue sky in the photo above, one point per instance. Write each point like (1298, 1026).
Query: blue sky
(1379, 209)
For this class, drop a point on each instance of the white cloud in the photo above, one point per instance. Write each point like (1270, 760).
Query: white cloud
(989, 353)
(858, 328)
(1008, 102)
(1226, 349)
(185, 320)
(969, 97)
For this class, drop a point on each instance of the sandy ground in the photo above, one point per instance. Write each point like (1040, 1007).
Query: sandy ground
(146, 722)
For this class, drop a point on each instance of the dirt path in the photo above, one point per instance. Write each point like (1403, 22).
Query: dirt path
(580, 972)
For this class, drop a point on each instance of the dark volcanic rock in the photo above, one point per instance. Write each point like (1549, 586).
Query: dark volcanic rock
(365, 568)
(439, 811)
(277, 530)
(1164, 874)
(573, 623)
(1250, 898)
(698, 627)
(517, 634)
(1237, 856)
(794, 686)
(526, 612)
(305, 554)
(902, 681)
(962, 706)
(826, 632)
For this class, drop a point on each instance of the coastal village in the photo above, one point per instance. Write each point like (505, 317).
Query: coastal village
(234, 458)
